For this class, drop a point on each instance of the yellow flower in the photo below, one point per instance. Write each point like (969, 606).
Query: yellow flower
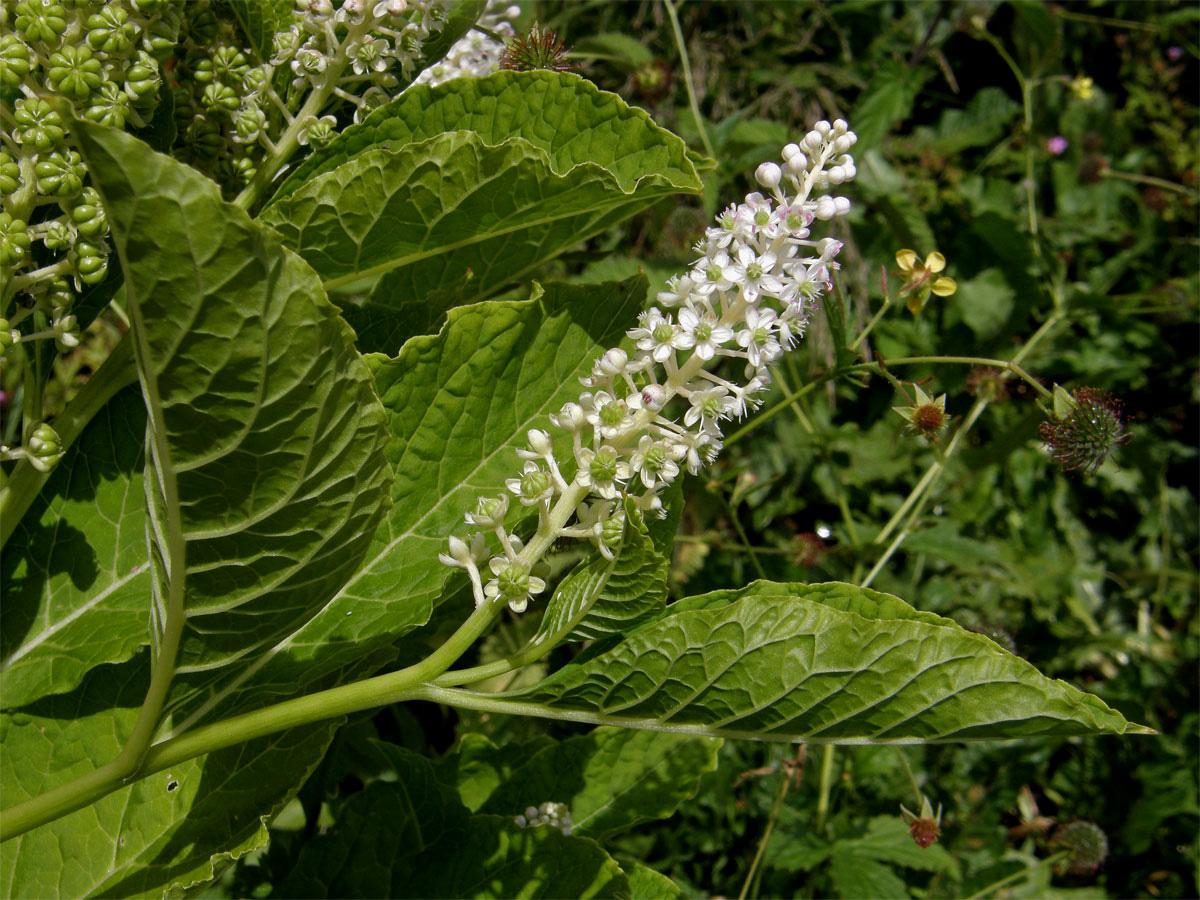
(919, 280)
(1081, 87)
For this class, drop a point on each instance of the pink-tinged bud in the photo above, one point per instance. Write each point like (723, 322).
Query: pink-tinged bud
(654, 397)
(768, 175)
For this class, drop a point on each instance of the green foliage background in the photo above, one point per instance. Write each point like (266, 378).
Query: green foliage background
(1093, 580)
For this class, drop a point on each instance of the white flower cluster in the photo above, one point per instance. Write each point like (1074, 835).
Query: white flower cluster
(556, 815)
(748, 297)
(477, 54)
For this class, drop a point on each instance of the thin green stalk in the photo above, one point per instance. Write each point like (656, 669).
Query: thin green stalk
(916, 499)
(888, 302)
(1007, 365)
(1017, 876)
(766, 415)
(746, 545)
(771, 820)
(687, 76)
(1150, 180)
(826, 788)
(912, 779)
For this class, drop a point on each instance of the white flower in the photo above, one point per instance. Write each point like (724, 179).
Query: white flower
(609, 415)
(659, 336)
(678, 292)
(758, 338)
(512, 582)
(713, 274)
(707, 334)
(462, 556)
(489, 512)
(369, 55)
(754, 273)
(655, 461)
(709, 406)
(534, 485)
(602, 470)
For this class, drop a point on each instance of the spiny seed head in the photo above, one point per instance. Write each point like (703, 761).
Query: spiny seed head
(1086, 845)
(538, 48)
(1086, 429)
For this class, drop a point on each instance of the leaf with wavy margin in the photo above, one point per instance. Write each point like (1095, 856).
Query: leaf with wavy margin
(411, 193)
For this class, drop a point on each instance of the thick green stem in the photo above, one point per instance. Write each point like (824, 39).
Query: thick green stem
(350, 698)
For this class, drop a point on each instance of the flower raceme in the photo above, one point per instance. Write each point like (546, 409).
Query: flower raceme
(747, 298)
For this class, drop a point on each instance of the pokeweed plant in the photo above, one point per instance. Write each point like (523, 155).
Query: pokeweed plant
(262, 509)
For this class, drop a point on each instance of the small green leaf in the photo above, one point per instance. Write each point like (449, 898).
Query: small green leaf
(985, 302)
(856, 876)
(888, 840)
(611, 778)
(824, 663)
(887, 101)
(603, 597)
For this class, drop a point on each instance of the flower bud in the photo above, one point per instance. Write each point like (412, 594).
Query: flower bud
(654, 397)
(614, 361)
(768, 175)
(539, 442)
(570, 418)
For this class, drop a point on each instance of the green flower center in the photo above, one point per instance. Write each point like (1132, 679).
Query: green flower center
(611, 414)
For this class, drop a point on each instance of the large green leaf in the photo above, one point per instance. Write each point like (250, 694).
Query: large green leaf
(824, 663)
(412, 837)
(453, 192)
(76, 583)
(173, 828)
(611, 778)
(264, 436)
(458, 404)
